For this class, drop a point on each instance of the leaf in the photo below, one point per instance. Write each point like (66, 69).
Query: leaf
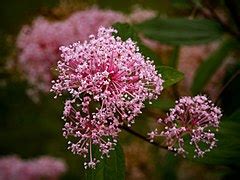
(210, 66)
(170, 75)
(235, 117)
(126, 31)
(161, 103)
(173, 61)
(109, 168)
(181, 31)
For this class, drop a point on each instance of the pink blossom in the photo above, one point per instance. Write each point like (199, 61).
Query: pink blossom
(108, 80)
(88, 21)
(12, 168)
(192, 116)
(39, 52)
(39, 43)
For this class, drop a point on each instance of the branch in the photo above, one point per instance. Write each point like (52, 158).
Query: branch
(233, 7)
(226, 85)
(140, 136)
(210, 13)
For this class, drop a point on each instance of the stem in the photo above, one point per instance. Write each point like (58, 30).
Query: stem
(211, 14)
(233, 7)
(226, 85)
(140, 136)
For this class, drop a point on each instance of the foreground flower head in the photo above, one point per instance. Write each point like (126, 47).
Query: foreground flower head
(108, 81)
(38, 44)
(12, 167)
(192, 116)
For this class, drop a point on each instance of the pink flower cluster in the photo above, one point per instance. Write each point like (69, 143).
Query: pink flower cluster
(192, 116)
(39, 50)
(108, 80)
(12, 168)
(87, 22)
(39, 43)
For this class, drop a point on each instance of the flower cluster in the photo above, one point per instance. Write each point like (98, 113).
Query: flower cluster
(87, 22)
(12, 167)
(39, 50)
(108, 80)
(192, 116)
(39, 43)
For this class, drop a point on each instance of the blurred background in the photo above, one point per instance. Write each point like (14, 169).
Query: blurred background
(32, 127)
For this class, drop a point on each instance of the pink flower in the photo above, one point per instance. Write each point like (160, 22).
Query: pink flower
(88, 21)
(39, 50)
(108, 80)
(12, 167)
(194, 117)
(46, 166)
(39, 43)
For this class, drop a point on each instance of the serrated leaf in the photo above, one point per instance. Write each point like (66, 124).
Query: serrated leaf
(210, 65)
(126, 31)
(170, 75)
(109, 168)
(181, 31)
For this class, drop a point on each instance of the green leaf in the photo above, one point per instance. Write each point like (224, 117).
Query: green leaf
(162, 103)
(210, 66)
(235, 117)
(126, 31)
(170, 75)
(181, 31)
(173, 61)
(109, 168)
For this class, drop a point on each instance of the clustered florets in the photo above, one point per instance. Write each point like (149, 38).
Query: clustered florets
(39, 44)
(45, 167)
(192, 116)
(108, 80)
